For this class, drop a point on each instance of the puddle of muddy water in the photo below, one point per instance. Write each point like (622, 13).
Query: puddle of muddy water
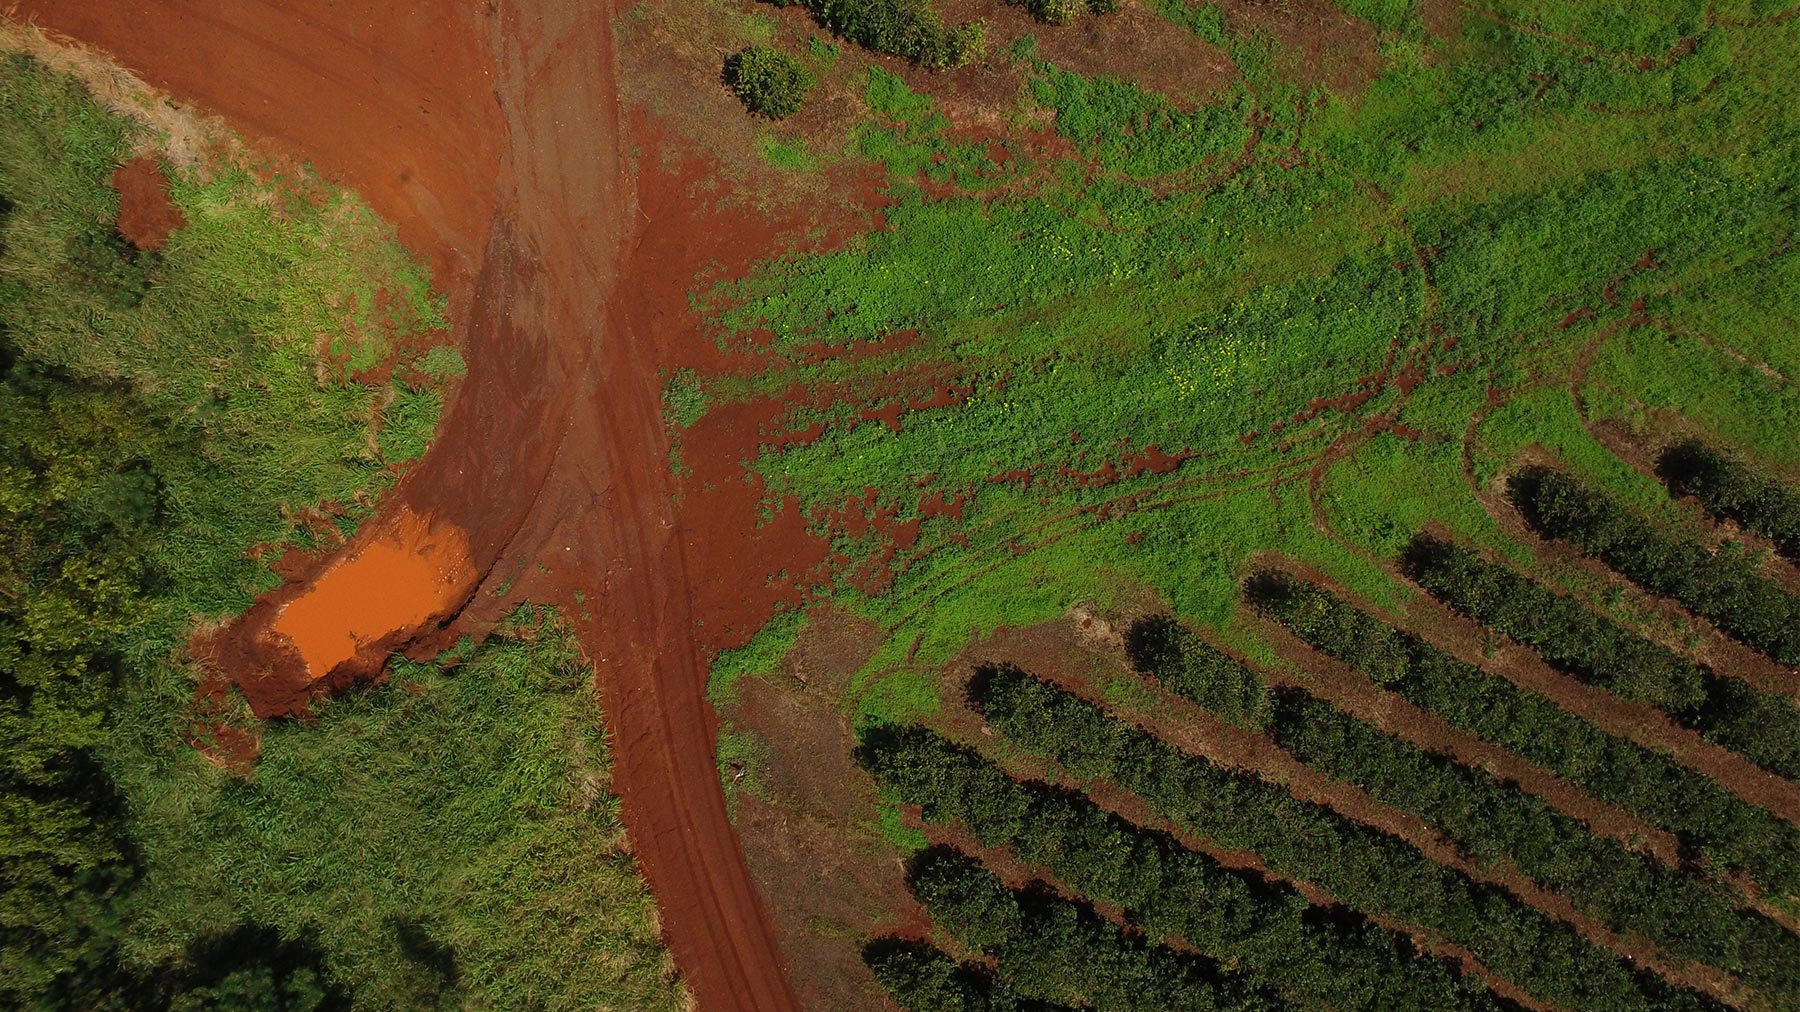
(411, 572)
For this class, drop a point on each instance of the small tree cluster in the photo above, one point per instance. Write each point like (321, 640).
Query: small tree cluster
(905, 28)
(1063, 12)
(769, 82)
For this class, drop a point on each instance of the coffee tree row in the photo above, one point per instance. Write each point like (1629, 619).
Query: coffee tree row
(1726, 588)
(1574, 638)
(1052, 948)
(920, 977)
(1731, 489)
(1364, 867)
(1188, 666)
(1313, 958)
(1729, 832)
(1498, 824)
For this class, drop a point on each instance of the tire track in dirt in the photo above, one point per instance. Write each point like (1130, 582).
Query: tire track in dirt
(492, 136)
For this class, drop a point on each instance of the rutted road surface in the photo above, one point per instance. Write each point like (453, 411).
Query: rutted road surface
(492, 135)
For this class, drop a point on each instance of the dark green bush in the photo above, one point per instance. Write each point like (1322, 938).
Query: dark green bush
(1599, 651)
(769, 82)
(1731, 833)
(1313, 958)
(1724, 588)
(906, 28)
(105, 263)
(1730, 488)
(921, 978)
(1365, 868)
(1057, 12)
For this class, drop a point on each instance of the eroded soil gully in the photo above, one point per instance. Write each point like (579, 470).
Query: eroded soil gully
(491, 135)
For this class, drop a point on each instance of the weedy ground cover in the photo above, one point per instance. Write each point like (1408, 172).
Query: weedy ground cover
(446, 838)
(1342, 313)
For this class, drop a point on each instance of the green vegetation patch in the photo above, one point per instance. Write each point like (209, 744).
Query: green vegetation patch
(1144, 342)
(905, 28)
(447, 839)
(768, 81)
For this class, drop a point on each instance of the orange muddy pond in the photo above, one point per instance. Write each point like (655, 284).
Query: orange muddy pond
(410, 573)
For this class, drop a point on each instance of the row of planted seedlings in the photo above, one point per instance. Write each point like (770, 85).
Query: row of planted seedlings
(1199, 934)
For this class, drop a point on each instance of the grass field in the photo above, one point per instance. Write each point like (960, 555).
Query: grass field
(1311, 295)
(1173, 345)
(447, 840)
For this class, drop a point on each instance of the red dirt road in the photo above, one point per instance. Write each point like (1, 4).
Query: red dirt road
(492, 135)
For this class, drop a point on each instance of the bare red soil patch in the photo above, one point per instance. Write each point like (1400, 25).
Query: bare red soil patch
(146, 214)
